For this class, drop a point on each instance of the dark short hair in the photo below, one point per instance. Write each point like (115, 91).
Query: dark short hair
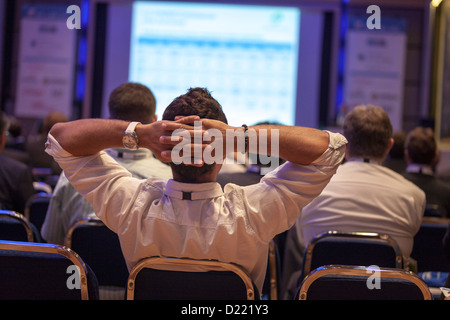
(398, 149)
(421, 145)
(368, 130)
(132, 102)
(197, 101)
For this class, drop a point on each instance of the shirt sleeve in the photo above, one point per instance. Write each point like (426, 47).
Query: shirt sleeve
(278, 199)
(99, 179)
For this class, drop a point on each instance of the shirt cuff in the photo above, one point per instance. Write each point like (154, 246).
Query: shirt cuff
(335, 153)
(53, 148)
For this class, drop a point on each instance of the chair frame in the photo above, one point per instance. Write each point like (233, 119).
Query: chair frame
(54, 249)
(273, 269)
(183, 264)
(361, 271)
(436, 220)
(357, 235)
(22, 219)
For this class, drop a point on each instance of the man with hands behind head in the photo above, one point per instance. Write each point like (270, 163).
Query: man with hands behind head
(129, 102)
(189, 215)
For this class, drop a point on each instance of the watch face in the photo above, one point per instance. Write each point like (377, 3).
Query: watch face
(129, 141)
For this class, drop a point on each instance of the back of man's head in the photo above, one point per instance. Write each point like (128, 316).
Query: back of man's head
(368, 131)
(421, 146)
(197, 101)
(398, 149)
(51, 119)
(132, 102)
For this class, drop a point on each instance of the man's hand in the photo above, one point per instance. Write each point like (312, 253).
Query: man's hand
(161, 136)
(187, 138)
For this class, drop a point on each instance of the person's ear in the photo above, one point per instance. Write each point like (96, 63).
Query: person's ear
(391, 144)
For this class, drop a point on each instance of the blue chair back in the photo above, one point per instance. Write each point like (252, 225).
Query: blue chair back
(100, 249)
(40, 271)
(15, 227)
(337, 282)
(186, 279)
(351, 248)
(36, 208)
(428, 248)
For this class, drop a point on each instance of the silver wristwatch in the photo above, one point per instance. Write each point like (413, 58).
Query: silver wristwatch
(130, 139)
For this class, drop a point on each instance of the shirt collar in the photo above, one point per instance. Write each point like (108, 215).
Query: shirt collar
(192, 191)
(129, 154)
(419, 168)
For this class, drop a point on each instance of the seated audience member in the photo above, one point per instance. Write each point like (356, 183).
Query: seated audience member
(422, 156)
(396, 157)
(128, 102)
(363, 195)
(35, 144)
(16, 180)
(15, 142)
(190, 215)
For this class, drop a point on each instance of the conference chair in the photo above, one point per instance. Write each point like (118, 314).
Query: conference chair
(434, 210)
(428, 250)
(100, 249)
(36, 208)
(15, 227)
(41, 271)
(186, 279)
(339, 282)
(351, 248)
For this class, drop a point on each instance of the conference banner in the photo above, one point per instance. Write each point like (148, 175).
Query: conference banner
(375, 66)
(46, 61)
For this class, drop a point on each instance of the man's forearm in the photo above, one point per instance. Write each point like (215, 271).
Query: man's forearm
(89, 136)
(296, 144)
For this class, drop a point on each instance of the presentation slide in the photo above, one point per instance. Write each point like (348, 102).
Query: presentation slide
(246, 55)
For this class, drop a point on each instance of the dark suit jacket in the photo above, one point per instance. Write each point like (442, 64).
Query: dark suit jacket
(16, 184)
(436, 190)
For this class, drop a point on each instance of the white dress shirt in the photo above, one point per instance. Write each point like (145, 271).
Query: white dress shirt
(152, 217)
(365, 197)
(67, 206)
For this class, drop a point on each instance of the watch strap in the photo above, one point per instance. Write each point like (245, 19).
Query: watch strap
(132, 126)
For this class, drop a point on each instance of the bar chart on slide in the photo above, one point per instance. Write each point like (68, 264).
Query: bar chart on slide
(245, 55)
